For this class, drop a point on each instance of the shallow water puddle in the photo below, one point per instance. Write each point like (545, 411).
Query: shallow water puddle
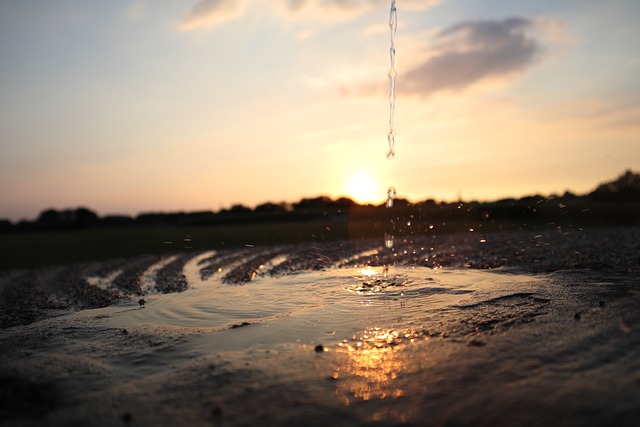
(321, 307)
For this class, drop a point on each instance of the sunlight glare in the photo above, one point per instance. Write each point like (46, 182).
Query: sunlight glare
(369, 272)
(375, 366)
(363, 188)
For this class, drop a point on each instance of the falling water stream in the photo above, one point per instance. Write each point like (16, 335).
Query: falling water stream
(393, 25)
(389, 239)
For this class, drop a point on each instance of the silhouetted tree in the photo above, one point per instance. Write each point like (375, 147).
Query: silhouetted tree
(344, 203)
(83, 218)
(316, 203)
(238, 208)
(625, 188)
(568, 195)
(271, 207)
(5, 225)
(401, 203)
(49, 218)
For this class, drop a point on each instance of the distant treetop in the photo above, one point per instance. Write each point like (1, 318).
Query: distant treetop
(625, 188)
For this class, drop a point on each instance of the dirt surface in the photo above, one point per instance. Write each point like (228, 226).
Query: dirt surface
(28, 295)
(561, 350)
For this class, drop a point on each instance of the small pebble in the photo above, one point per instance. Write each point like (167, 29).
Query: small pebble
(624, 327)
(319, 348)
(217, 407)
(126, 418)
(124, 332)
(240, 325)
(142, 302)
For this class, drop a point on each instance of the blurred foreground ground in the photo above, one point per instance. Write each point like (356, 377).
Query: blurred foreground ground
(560, 349)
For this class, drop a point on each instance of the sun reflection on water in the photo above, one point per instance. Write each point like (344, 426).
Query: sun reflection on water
(368, 272)
(372, 364)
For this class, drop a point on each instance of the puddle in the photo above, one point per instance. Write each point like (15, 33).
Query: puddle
(313, 307)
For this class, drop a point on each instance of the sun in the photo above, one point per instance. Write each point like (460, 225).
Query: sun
(364, 188)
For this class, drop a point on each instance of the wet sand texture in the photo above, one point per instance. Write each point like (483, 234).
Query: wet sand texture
(560, 348)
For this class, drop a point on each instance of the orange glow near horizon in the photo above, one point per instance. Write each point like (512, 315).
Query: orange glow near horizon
(502, 123)
(364, 188)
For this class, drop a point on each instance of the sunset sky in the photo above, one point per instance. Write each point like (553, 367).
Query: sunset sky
(129, 106)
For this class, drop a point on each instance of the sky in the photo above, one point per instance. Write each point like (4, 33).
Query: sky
(130, 106)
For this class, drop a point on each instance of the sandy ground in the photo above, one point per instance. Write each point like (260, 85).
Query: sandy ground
(561, 350)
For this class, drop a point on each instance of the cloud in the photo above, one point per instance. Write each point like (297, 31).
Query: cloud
(137, 10)
(208, 13)
(472, 52)
(339, 8)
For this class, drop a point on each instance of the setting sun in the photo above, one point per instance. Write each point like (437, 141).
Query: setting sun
(364, 188)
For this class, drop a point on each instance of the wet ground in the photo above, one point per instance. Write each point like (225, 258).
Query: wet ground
(518, 328)
(27, 295)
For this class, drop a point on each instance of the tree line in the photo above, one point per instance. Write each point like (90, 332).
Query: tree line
(616, 202)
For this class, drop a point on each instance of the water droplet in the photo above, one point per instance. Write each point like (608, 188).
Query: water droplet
(391, 195)
(389, 241)
(392, 142)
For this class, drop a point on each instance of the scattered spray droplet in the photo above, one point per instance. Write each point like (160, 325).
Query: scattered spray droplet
(389, 241)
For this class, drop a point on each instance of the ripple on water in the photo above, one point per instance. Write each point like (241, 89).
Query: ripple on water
(319, 306)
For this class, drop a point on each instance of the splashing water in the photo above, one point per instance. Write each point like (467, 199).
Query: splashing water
(329, 305)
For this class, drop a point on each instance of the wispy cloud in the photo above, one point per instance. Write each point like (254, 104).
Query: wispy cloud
(340, 9)
(208, 13)
(473, 52)
(136, 10)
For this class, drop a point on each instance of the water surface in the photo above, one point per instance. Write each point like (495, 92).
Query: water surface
(326, 306)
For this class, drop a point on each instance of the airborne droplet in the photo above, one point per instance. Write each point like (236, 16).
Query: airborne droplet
(389, 241)
(391, 195)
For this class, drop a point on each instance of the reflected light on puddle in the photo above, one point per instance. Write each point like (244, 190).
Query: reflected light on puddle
(371, 365)
(369, 272)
